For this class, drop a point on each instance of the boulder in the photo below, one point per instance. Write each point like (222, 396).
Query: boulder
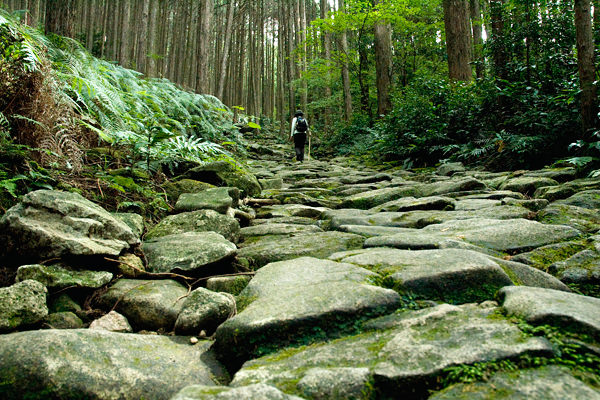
(197, 221)
(188, 253)
(579, 218)
(53, 224)
(57, 277)
(527, 184)
(131, 266)
(204, 310)
(449, 169)
(271, 183)
(222, 173)
(22, 304)
(552, 307)
(134, 221)
(290, 300)
(258, 391)
(112, 322)
(95, 364)
(466, 184)
(545, 383)
(589, 199)
(228, 284)
(404, 353)
(150, 305)
(451, 275)
(63, 320)
(174, 189)
(217, 199)
(581, 268)
(320, 245)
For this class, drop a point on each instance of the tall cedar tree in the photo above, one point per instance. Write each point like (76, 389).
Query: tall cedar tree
(585, 63)
(458, 39)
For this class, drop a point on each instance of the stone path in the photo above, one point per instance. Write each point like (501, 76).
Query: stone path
(335, 281)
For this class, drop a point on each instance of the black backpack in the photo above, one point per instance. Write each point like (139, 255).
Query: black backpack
(301, 125)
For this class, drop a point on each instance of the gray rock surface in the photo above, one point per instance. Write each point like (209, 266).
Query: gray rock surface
(112, 322)
(134, 221)
(403, 353)
(228, 284)
(150, 305)
(257, 391)
(22, 304)
(77, 364)
(553, 307)
(278, 229)
(217, 199)
(187, 253)
(320, 245)
(546, 383)
(197, 221)
(423, 203)
(586, 199)
(366, 200)
(465, 184)
(62, 320)
(527, 184)
(583, 219)
(52, 224)
(289, 300)
(204, 310)
(57, 277)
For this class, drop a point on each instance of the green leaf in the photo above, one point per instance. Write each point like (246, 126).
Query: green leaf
(254, 125)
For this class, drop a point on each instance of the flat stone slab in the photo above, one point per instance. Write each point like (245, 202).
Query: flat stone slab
(452, 275)
(258, 391)
(423, 203)
(465, 184)
(57, 277)
(371, 231)
(553, 307)
(290, 300)
(366, 200)
(504, 235)
(290, 210)
(22, 304)
(403, 353)
(278, 229)
(197, 221)
(150, 305)
(580, 218)
(217, 199)
(527, 184)
(53, 224)
(187, 252)
(546, 383)
(276, 248)
(85, 363)
(586, 199)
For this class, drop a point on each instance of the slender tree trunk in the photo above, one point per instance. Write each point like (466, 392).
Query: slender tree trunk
(458, 42)
(60, 17)
(499, 54)
(345, 70)
(477, 23)
(585, 63)
(327, 55)
(126, 28)
(383, 65)
(226, 47)
(203, 77)
(143, 39)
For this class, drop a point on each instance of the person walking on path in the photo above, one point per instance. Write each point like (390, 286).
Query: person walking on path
(299, 132)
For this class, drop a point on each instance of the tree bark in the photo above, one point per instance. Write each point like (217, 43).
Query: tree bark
(60, 17)
(383, 65)
(499, 54)
(458, 42)
(345, 71)
(585, 64)
(477, 23)
(227, 45)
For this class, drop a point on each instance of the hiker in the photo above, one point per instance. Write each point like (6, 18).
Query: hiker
(299, 132)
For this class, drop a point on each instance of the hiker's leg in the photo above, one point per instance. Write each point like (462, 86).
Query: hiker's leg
(299, 153)
(299, 140)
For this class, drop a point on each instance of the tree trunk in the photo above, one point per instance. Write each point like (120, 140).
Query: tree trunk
(327, 55)
(60, 17)
(458, 44)
(476, 22)
(499, 54)
(585, 63)
(345, 71)
(227, 45)
(203, 76)
(383, 65)
(143, 39)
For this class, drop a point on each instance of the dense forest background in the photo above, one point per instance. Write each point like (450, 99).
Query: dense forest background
(503, 83)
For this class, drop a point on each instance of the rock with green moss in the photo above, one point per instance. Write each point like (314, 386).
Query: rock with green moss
(404, 352)
(258, 391)
(222, 173)
(272, 183)
(197, 221)
(217, 199)
(527, 184)
(92, 364)
(174, 189)
(150, 305)
(589, 199)
(545, 383)
(372, 231)
(187, 253)
(112, 322)
(373, 198)
(131, 266)
(290, 210)
(423, 203)
(63, 302)
(133, 221)
(577, 313)
(52, 224)
(203, 310)
(451, 275)
(581, 268)
(297, 300)
(320, 245)
(63, 320)
(553, 193)
(228, 284)
(524, 275)
(464, 184)
(513, 235)
(448, 169)
(57, 277)
(22, 304)
(542, 257)
(580, 218)
(277, 230)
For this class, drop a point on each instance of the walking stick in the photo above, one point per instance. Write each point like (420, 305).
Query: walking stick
(309, 147)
